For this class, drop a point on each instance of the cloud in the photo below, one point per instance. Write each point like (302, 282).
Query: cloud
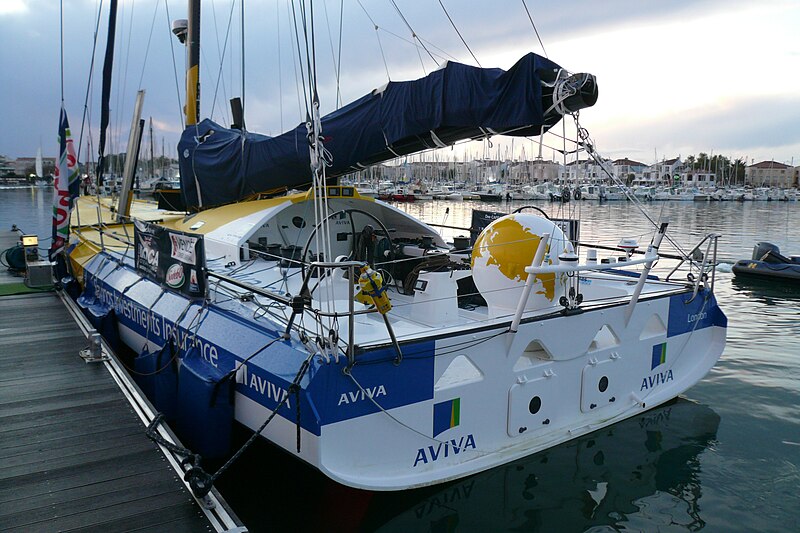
(758, 127)
(12, 7)
(688, 68)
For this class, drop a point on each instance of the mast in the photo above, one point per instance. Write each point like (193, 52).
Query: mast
(152, 161)
(106, 94)
(193, 64)
(131, 159)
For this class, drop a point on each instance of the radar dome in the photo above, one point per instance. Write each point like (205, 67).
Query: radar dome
(500, 255)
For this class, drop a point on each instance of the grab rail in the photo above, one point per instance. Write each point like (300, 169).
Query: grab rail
(546, 269)
(699, 262)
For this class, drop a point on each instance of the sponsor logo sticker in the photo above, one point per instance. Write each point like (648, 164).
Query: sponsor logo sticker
(175, 277)
(446, 415)
(183, 248)
(659, 355)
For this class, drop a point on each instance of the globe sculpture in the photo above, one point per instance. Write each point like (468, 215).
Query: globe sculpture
(500, 255)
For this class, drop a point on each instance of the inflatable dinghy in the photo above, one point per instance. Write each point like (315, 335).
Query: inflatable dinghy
(767, 262)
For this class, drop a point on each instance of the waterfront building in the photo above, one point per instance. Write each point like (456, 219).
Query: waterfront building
(662, 173)
(770, 174)
(632, 172)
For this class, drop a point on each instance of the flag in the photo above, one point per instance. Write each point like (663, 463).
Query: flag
(67, 185)
(446, 415)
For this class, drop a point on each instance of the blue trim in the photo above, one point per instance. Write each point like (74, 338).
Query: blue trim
(702, 312)
(630, 274)
(327, 395)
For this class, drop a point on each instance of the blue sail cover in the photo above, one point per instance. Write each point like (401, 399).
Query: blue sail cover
(453, 103)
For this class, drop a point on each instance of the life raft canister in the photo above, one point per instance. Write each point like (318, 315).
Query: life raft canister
(371, 283)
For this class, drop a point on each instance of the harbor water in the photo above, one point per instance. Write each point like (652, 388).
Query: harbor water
(724, 457)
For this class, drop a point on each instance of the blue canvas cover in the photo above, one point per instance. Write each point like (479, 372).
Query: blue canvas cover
(453, 103)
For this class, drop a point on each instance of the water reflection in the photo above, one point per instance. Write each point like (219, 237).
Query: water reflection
(644, 470)
(770, 292)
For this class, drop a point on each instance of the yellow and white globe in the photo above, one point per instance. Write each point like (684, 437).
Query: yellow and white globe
(500, 255)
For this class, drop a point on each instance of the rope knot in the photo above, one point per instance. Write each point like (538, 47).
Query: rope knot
(199, 480)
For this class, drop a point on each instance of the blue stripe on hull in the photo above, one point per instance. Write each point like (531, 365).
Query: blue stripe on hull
(327, 394)
(702, 312)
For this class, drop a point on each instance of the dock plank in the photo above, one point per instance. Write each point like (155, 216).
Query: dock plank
(73, 454)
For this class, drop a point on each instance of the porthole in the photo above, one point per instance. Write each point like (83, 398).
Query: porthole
(603, 385)
(534, 405)
(299, 222)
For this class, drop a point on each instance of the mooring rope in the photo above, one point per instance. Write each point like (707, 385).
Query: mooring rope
(200, 481)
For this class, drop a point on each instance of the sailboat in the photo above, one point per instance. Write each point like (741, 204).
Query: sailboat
(350, 334)
(40, 180)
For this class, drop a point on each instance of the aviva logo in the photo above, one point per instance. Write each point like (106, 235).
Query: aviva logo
(659, 355)
(446, 415)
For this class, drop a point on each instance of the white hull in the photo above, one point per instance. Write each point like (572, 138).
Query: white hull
(468, 394)
(550, 359)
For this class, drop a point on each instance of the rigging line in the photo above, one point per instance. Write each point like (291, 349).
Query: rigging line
(299, 60)
(380, 45)
(413, 33)
(309, 48)
(86, 113)
(333, 54)
(459, 33)
(147, 48)
(315, 95)
(127, 61)
(320, 155)
(295, 45)
(476, 451)
(445, 52)
(377, 36)
(614, 179)
(174, 64)
(61, 31)
(117, 123)
(419, 54)
(339, 64)
(221, 58)
(417, 46)
(534, 28)
(280, 69)
(243, 78)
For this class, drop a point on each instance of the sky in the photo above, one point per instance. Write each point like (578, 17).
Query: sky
(675, 78)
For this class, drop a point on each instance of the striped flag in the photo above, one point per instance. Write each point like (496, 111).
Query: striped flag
(67, 185)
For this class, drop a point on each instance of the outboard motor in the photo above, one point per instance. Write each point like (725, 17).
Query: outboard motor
(768, 253)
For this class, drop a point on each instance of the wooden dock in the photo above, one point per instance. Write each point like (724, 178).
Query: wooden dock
(73, 450)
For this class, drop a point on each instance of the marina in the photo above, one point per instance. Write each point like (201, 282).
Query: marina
(738, 426)
(318, 314)
(427, 302)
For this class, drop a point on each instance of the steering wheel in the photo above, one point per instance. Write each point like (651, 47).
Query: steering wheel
(531, 207)
(349, 213)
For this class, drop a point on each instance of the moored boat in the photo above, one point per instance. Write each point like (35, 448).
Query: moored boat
(348, 332)
(768, 263)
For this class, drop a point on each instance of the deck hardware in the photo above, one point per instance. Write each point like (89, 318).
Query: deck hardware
(652, 250)
(526, 291)
(94, 352)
